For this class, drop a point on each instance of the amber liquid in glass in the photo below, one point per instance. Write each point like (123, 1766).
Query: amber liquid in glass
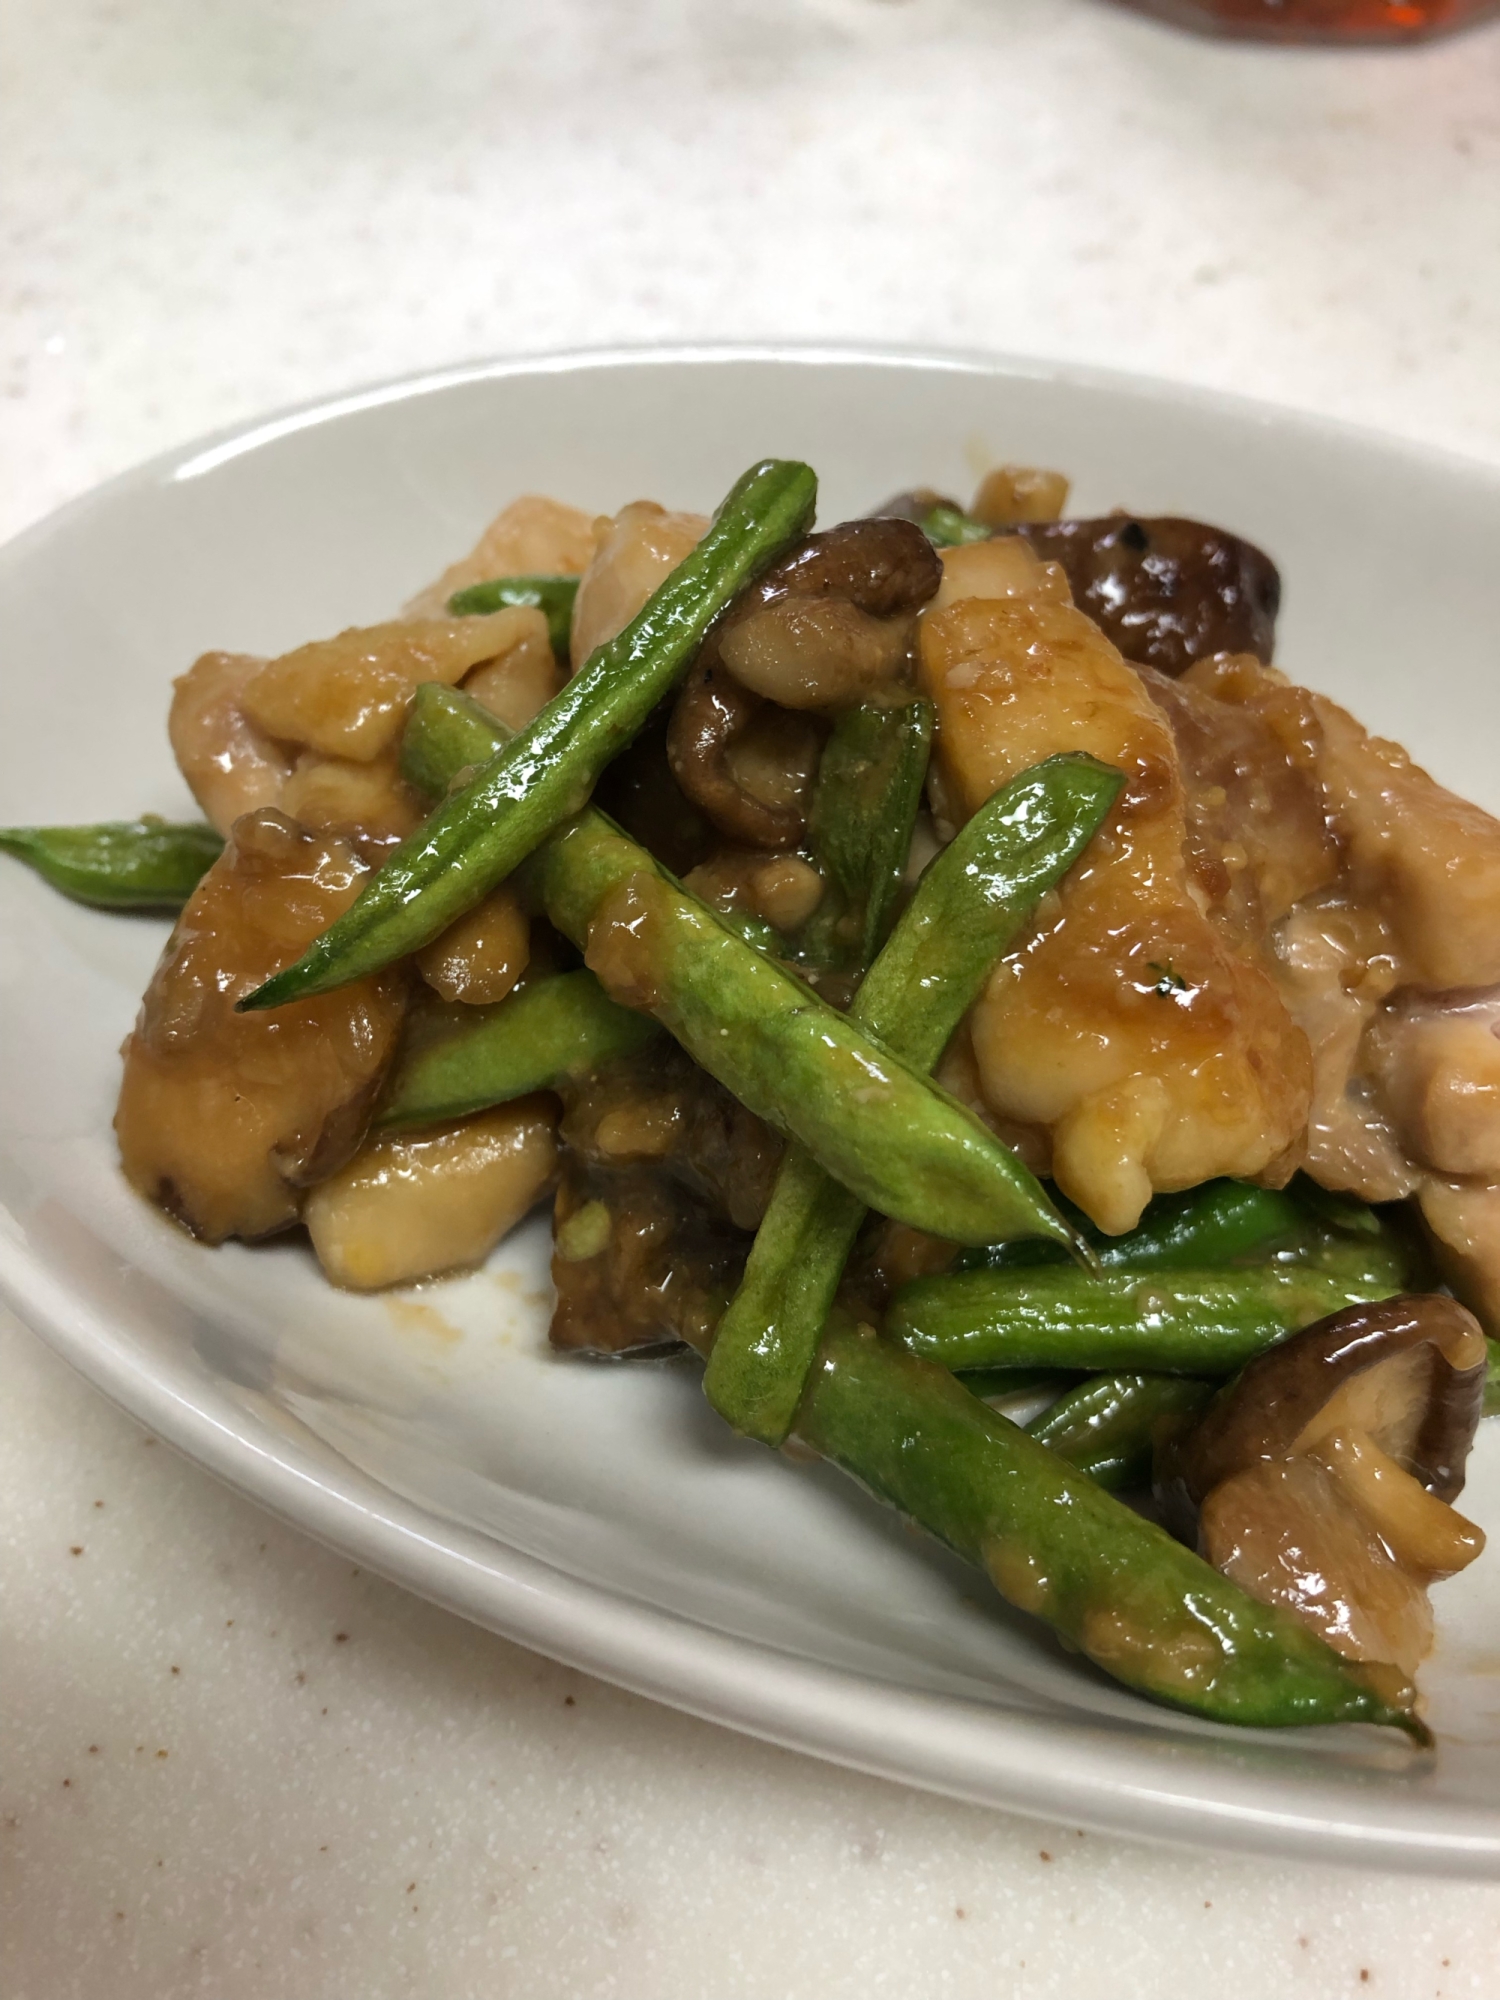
(1323, 20)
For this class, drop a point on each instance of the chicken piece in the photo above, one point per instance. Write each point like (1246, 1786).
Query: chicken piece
(1126, 1021)
(348, 696)
(1334, 969)
(533, 536)
(316, 732)
(370, 805)
(479, 958)
(231, 764)
(1257, 839)
(1438, 1062)
(519, 682)
(1392, 972)
(1429, 859)
(632, 554)
(410, 1205)
(1012, 494)
(1463, 1218)
(1333, 954)
(224, 1118)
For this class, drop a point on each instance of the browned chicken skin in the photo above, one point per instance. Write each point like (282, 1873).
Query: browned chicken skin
(1391, 965)
(223, 1117)
(1286, 946)
(1141, 1034)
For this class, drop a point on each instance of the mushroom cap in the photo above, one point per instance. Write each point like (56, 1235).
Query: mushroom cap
(876, 570)
(1409, 1371)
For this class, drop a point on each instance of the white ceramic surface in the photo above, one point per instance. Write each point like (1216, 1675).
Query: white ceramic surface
(596, 1513)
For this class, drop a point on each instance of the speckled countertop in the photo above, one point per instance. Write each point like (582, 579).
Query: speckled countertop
(232, 1765)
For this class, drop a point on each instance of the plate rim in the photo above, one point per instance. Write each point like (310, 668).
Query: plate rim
(909, 1736)
(205, 452)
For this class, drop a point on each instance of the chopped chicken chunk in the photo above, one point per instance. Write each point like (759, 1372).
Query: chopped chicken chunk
(231, 764)
(1392, 968)
(633, 552)
(533, 536)
(223, 1117)
(1140, 1032)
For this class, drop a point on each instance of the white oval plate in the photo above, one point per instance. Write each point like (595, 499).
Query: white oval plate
(601, 1514)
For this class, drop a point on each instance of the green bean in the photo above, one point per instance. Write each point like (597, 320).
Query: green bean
(1057, 1544)
(552, 595)
(448, 736)
(873, 1121)
(997, 1384)
(1108, 1425)
(554, 1031)
(1182, 1322)
(863, 809)
(545, 772)
(1215, 1223)
(140, 864)
(1343, 1212)
(1492, 1378)
(1140, 1605)
(950, 528)
(969, 904)
(805, 1068)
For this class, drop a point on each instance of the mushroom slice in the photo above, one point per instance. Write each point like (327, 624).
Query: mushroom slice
(1166, 591)
(1321, 1477)
(1289, 1534)
(914, 504)
(829, 624)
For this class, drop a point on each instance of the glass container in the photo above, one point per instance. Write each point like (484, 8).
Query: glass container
(1346, 21)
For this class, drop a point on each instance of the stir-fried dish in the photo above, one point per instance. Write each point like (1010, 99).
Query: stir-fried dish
(940, 970)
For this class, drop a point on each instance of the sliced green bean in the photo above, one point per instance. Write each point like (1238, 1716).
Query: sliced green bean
(950, 528)
(873, 1121)
(137, 864)
(1215, 1223)
(481, 833)
(1492, 1378)
(995, 1384)
(1180, 1322)
(551, 595)
(448, 736)
(552, 1032)
(1139, 1604)
(808, 1070)
(1343, 1212)
(969, 904)
(1108, 1425)
(1057, 1544)
(863, 810)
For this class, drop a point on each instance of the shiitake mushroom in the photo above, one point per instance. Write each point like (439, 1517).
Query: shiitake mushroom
(1321, 1477)
(825, 626)
(1167, 591)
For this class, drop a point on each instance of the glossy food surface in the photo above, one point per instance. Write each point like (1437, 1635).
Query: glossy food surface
(522, 1491)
